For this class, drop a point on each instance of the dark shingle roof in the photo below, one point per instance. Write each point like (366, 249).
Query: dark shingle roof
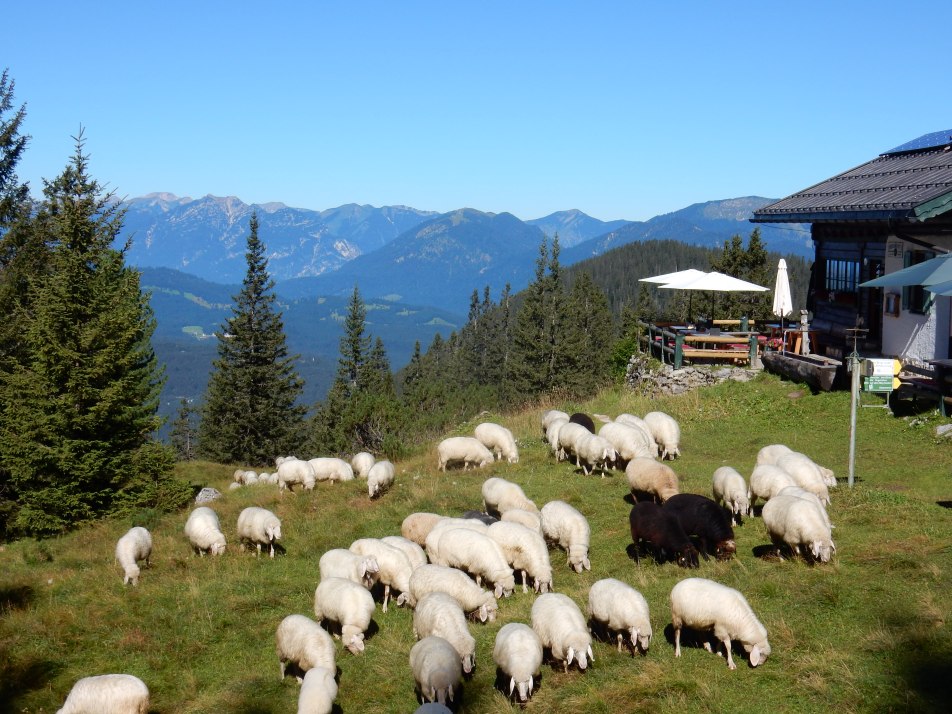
(909, 184)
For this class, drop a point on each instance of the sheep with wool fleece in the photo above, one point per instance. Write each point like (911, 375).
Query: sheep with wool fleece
(463, 449)
(594, 452)
(703, 519)
(661, 529)
(530, 519)
(348, 564)
(499, 440)
(278, 460)
(805, 474)
(621, 609)
(303, 643)
(666, 432)
(807, 495)
(417, 526)
(295, 472)
(569, 437)
(652, 477)
(552, 437)
(258, 526)
(469, 524)
(133, 546)
(797, 522)
(348, 604)
(436, 669)
(702, 604)
(107, 694)
(394, 566)
(380, 478)
(629, 442)
(318, 691)
(729, 488)
(438, 613)
(476, 553)
(770, 453)
(525, 550)
(551, 415)
(361, 463)
(415, 554)
(330, 468)
(500, 495)
(517, 651)
(565, 525)
(561, 628)
(471, 597)
(203, 530)
(480, 516)
(766, 480)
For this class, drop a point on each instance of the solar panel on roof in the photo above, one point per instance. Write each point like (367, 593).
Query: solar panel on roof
(926, 141)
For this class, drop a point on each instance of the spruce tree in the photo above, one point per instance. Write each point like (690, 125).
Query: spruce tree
(586, 340)
(528, 364)
(251, 412)
(183, 437)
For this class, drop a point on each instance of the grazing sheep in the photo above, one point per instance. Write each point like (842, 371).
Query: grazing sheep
(500, 495)
(394, 566)
(566, 526)
(798, 521)
(594, 452)
(278, 460)
(348, 604)
(476, 553)
(703, 519)
(361, 463)
(530, 519)
(552, 437)
(812, 497)
(295, 472)
(380, 478)
(525, 550)
(439, 614)
(651, 477)
(436, 669)
(701, 604)
(620, 609)
(663, 532)
(417, 526)
(570, 435)
(329, 468)
(318, 692)
(469, 524)
(348, 564)
(204, 531)
(107, 694)
(473, 599)
(635, 421)
(499, 440)
(415, 554)
(729, 488)
(561, 628)
(463, 449)
(258, 526)
(584, 420)
(517, 652)
(629, 442)
(770, 453)
(304, 644)
(666, 433)
(133, 546)
(550, 416)
(766, 480)
(483, 518)
(805, 474)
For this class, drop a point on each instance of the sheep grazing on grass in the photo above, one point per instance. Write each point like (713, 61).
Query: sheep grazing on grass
(770, 453)
(107, 694)
(552, 436)
(701, 604)
(257, 527)
(730, 489)
(347, 604)
(348, 564)
(476, 553)
(417, 526)
(530, 519)
(204, 531)
(380, 478)
(295, 472)
(436, 669)
(662, 532)
(330, 468)
(303, 644)
(703, 519)
(805, 474)
(570, 436)
(439, 614)
(318, 692)
(812, 497)
(766, 480)
(594, 452)
(797, 521)
(361, 463)
(394, 566)
(666, 433)
(647, 476)
(525, 551)
(517, 652)
(132, 547)
(568, 528)
(415, 554)
(561, 628)
(500, 495)
(550, 416)
(466, 450)
(499, 440)
(629, 442)
(475, 601)
(621, 610)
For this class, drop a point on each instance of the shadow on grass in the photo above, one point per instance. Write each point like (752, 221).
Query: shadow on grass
(923, 660)
(944, 504)
(18, 678)
(697, 639)
(15, 597)
(501, 685)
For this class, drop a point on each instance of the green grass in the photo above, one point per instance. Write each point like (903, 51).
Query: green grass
(865, 633)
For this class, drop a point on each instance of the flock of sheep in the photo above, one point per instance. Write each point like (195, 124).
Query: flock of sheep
(455, 569)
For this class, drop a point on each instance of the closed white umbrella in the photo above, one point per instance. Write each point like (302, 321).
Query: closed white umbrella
(782, 301)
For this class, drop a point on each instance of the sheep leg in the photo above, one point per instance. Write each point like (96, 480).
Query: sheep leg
(727, 648)
(525, 587)
(283, 665)
(677, 641)
(259, 549)
(386, 596)
(271, 550)
(620, 638)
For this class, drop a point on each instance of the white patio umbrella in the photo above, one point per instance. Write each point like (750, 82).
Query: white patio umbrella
(673, 277)
(782, 301)
(715, 282)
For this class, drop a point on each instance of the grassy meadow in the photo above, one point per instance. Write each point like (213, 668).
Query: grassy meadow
(867, 632)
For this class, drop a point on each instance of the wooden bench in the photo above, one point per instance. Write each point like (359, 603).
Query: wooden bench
(922, 382)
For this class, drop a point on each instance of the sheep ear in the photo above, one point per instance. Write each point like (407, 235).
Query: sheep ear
(591, 655)
(587, 564)
(512, 685)
(483, 613)
(498, 591)
(755, 656)
(451, 692)
(571, 656)
(531, 684)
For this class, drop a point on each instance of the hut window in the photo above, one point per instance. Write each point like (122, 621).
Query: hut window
(915, 298)
(842, 275)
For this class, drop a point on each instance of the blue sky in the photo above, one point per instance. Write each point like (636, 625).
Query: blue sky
(619, 109)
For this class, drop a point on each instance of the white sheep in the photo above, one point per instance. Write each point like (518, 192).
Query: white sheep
(702, 604)
(499, 440)
(525, 550)
(770, 453)
(394, 566)
(500, 495)
(417, 526)
(469, 524)
(517, 652)
(730, 489)
(107, 694)
(561, 628)
(304, 644)
(278, 460)
(812, 497)
(653, 477)
(565, 525)
(805, 474)
(569, 436)
(330, 468)
(361, 463)
(629, 441)
(766, 480)
(348, 604)
(474, 552)
(550, 416)
(666, 432)
(622, 610)
(415, 554)
(473, 599)
(380, 478)
(342, 563)
(463, 449)
(204, 531)
(258, 526)
(530, 519)
(436, 669)
(295, 472)
(594, 452)
(552, 436)
(318, 692)
(133, 546)
(797, 522)
(438, 613)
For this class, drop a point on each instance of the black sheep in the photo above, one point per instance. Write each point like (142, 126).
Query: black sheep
(480, 516)
(703, 519)
(659, 528)
(583, 419)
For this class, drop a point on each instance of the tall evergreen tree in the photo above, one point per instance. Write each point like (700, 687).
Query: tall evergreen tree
(528, 364)
(183, 436)
(251, 412)
(14, 196)
(587, 341)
